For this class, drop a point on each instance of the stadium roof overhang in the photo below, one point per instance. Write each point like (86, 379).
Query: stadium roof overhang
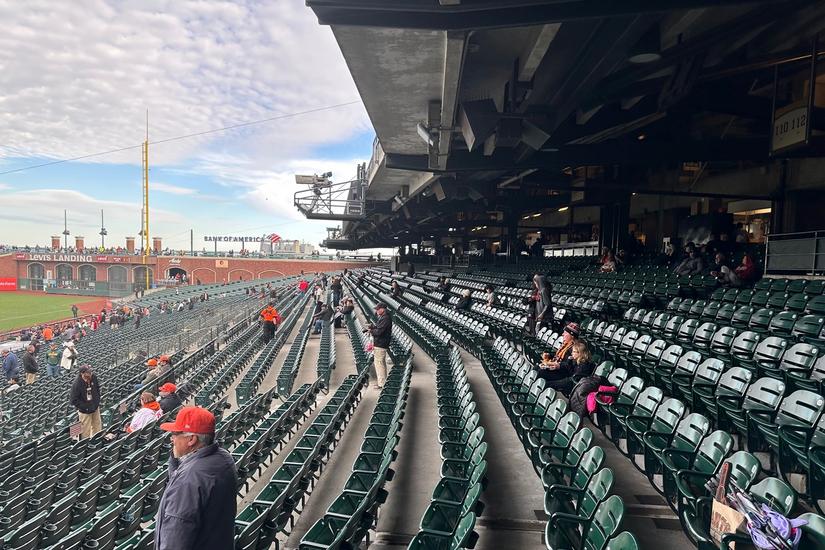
(487, 109)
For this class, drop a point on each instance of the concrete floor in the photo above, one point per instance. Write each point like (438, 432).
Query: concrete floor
(513, 515)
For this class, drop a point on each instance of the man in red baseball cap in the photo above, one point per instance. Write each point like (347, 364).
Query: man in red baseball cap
(169, 398)
(198, 507)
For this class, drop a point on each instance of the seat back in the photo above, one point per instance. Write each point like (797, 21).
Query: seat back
(641, 345)
(799, 359)
(604, 369)
(797, 302)
(667, 416)
(606, 521)
(623, 541)
(697, 309)
(816, 305)
(595, 493)
(687, 330)
(617, 377)
(712, 451)
(708, 372)
(687, 364)
(630, 391)
(801, 409)
(808, 327)
(760, 298)
(775, 493)
(734, 382)
(783, 323)
(761, 319)
(764, 395)
(590, 463)
(648, 401)
(742, 316)
(770, 350)
(722, 340)
(745, 344)
(690, 432)
(744, 468)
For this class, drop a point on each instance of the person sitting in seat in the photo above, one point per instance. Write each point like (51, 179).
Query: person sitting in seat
(692, 265)
(396, 290)
(148, 412)
(444, 286)
(570, 335)
(169, 399)
(746, 271)
(559, 376)
(609, 263)
(489, 295)
(723, 273)
(465, 301)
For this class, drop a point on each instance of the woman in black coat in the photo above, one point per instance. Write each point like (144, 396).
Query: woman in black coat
(561, 377)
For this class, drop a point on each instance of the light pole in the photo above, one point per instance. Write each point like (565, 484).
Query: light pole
(65, 231)
(103, 232)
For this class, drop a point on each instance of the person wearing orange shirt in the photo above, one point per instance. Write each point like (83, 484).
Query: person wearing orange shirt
(270, 318)
(48, 334)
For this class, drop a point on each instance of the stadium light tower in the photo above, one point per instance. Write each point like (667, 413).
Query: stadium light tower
(103, 231)
(65, 231)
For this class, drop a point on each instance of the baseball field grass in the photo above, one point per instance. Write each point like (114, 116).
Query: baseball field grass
(25, 309)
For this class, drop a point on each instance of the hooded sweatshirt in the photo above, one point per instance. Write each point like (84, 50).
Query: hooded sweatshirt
(149, 412)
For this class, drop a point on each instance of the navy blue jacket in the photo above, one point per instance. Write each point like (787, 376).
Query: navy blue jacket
(198, 507)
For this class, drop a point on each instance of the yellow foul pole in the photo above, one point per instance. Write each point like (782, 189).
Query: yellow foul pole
(147, 244)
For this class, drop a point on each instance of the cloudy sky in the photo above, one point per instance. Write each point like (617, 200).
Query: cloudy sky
(78, 78)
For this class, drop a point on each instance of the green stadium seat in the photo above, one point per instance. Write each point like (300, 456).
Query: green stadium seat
(707, 459)
(690, 432)
(596, 532)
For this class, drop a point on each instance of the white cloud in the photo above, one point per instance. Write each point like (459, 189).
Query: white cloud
(4, 186)
(171, 189)
(194, 65)
(78, 78)
(39, 213)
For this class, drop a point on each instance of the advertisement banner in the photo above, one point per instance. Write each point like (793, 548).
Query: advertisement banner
(8, 284)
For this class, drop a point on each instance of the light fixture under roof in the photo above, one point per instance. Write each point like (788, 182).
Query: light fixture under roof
(563, 209)
(648, 48)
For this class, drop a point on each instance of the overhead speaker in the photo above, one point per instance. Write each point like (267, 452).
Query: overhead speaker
(477, 120)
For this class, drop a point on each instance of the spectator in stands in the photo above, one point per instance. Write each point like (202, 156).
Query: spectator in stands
(30, 365)
(746, 271)
(11, 365)
(396, 291)
(48, 334)
(318, 293)
(723, 273)
(85, 397)
(348, 307)
(712, 246)
(411, 270)
(490, 295)
(621, 259)
(742, 236)
(159, 369)
(609, 263)
(169, 399)
(381, 333)
(692, 265)
(543, 307)
(198, 507)
(337, 289)
(559, 376)
(323, 315)
(604, 254)
(69, 356)
(148, 412)
(52, 360)
(465, 301)
(444, 286)
(269, 319)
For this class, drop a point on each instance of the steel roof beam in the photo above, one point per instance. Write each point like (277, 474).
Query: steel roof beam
(431, 15)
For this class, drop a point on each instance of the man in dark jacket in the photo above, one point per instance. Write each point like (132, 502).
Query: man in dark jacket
(30, 365)
(169, 399)
(85, 397)
(381, 333)
(198, 507)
